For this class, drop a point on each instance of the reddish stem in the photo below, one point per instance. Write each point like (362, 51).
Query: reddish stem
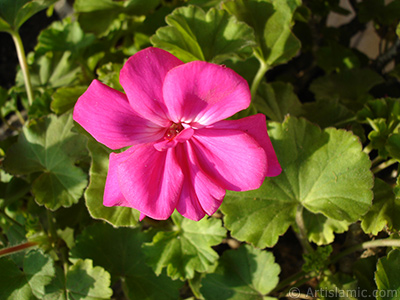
(17, 248)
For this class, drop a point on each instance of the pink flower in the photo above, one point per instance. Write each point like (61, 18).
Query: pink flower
(183, 155)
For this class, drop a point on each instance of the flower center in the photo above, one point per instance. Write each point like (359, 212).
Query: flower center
(173, 131)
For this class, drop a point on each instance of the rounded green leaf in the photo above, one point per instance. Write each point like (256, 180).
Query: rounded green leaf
(16, 12)
(350, 87)
(38, 271)
(387, 276)
(276, 100)
(384, 211)
(117, 215)
(119, 251)
(245, 273)
(83, 281)
(97, 15)
(186, 249)
(325, 171)
(321, 229)
(49, 147)
(214, 36)
(64, 36)
(272, 22)
(64, 98)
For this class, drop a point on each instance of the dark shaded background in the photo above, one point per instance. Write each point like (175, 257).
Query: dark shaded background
(8, 55)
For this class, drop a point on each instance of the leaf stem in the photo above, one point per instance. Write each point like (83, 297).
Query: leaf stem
(377, 160)
(259, 76)
(14, 249)
(20, 117)
(9, 126)
(54, 237)
(302, 234)
(51, 230)
(363, 246)
(367, 149)
(24, 65)
(384, 165)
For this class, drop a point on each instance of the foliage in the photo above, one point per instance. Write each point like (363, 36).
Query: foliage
(333, 114)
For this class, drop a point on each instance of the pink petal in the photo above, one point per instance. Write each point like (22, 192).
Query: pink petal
(151, 181)
(106, 114)
(142, 216)
(112, 192)
(142, 78)
(200, 194)
(256, 127)
(204, 93)
(231, 157)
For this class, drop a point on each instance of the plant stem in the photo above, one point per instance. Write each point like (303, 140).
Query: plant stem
(12, 250)
(51, 230)
(259, 76)
(366, 245)
(302, 234)
(24, 65)
(61, 251)
(11, 220)
(376, 161)
(367, 149)
(20, 117)
(294, 278)
(384, 165)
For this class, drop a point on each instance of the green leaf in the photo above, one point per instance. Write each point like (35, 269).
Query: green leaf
(364, 270)
(97, 15)
(336, 57)
(387, 276)
(38, 271)
(186, 249)
(339, 286)
(276, 100)
(64, 36)
(14, 13)
(327, 113)
(87, 282)
(350, 87)
(64, 98)
(8, 103)
(56, 290)
(51, 70)
(379, 12)
(386, 108)
(245, 273)
(109, 75)
(50, 148)
(194, 35)
(384, 211)
(116, 215)
(4, 26)
(82, 281)
(393, 145)
(325, 171)
(383, 115)
(272, 22)
(321, 229)
(119, 252)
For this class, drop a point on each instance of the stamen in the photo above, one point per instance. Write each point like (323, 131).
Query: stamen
(173, 131)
